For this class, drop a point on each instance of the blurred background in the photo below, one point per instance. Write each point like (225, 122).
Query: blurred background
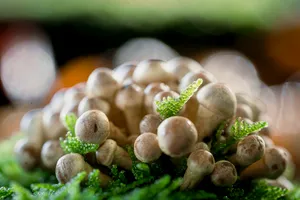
(255, 46)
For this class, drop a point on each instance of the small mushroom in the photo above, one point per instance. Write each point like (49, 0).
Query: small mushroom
(224, 174)
(177, 136)
(164, 94)
(201, 145)
(50, 154)
(101, 83)
(180, 66)
(93, 103)
(131, 139)
(27, 154)
(216, 103)
(149, 71)
(69, 165)
(32, 125)
(146, 148)
(199, 164)
(94, 127)
(150, 123)
(110, 153)
(68, 109)
(270, 166)
(130, 100)
(244, 111)
(53, 127)
(268, 141)
(150, 91)
(124, 71)
(192, 105)
(74, 94)
(57, 101)
(249, 150)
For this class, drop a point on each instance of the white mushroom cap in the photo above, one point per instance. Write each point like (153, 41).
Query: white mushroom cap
(53, 127)
(57, 101)
(74, 94)
(50, 154)
(177, 136)
(244, 111)
(93, 103)
(150, 123)
(150, 71)
(124, 71)
(129, 96)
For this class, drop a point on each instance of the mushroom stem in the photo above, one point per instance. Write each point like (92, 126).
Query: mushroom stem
(271, 166)
(117, 135)
(191, 109)
(200, 163)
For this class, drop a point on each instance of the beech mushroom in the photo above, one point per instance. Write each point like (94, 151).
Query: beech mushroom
(50, 154)
(32, 125)
(110, 153)
(249, 150)
(224, 174)
(94, 127)
(74, 94)
(57, 101)
(53, 127)
(180, 66)
(123, 72)
(132, 138)
(216, 103)
(149, 71)
(146, 148)
(270, 166)
(101, 83)
(177, 136)
(93, 103)
(244, 111)
(150, 123)
(130, 100)
(27, 155)
(192, 105)
(268, 141)
(68, 109)
(201, 145)
(199, 164)
(71, 164)
(150, 91)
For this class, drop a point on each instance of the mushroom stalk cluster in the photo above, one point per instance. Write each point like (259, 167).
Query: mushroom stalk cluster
(116, 108)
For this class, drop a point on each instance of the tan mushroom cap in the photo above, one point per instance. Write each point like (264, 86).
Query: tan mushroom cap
(218, 98)
(101, 83)
(124, 71)
(149, 71)
(244, 111)
(150, 91)
(69, 165)
(105, 153)
(190, 77)
(250, 149)
(146, 147)
(177, 136)
(26, 154)
(129, 96)
(150, 123)
(92, 127)
(74, 94)
(201, 145)
(180, 66)
(51, 153)
(224, 174)
(53, 127)
(57, 101)
(93, 103)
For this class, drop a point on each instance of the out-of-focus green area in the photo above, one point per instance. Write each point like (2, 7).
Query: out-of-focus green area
(152, 13)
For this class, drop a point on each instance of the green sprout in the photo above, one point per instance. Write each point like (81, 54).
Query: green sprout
(72, 144)
(169, 106)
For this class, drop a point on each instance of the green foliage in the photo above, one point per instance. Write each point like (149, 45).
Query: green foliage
(294, 194)
(238, 131)
(5, 192)
(169, 106)
(72, 144)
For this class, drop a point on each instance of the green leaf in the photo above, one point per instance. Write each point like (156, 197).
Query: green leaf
(70, 121)
(169, 106)
(5, 192)
(21, 193)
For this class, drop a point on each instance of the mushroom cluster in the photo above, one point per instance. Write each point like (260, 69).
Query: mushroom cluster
(117, 107)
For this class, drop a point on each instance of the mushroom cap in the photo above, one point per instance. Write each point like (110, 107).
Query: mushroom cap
(68, 166)
(57, 101)
(102, 83)
(176, 136)
(146, 147)
(276, 161)
(190, 77)
(68, 109)
(268, 141)
(129, 96)
(51, 152)
(53, 127)
(224, 174)
(150, 123)
(250, 149)
(244, 111)
(151, 90)
(26, 154)
(149, 71)
(201, 145)
(74, 95)
(93, 103)
(106, 152)
(180, 66)
(201, 161)
(218, 98)
(92, 127)
(124, 71)
(164, 94)
(255, 104)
